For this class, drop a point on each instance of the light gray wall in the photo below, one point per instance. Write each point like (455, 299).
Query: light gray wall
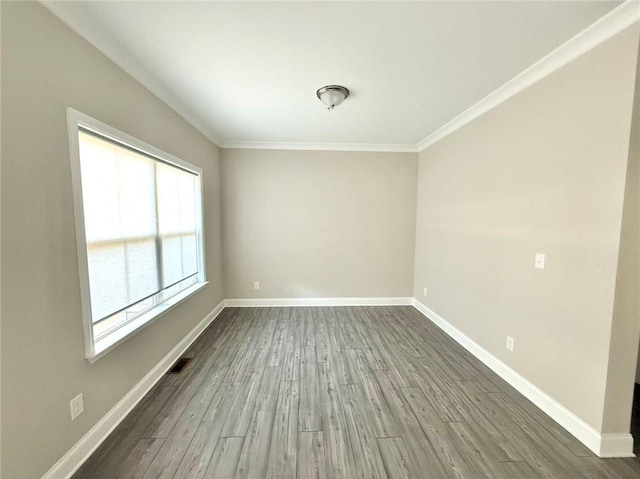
(309, 224)
(625, 328)
(634, 155)
(45, 69)
(543, 172)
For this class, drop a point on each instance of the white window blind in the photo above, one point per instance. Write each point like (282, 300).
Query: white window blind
(142, 233)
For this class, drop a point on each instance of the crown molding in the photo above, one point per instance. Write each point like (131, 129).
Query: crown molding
(93, 33)
(603, 29)
(267, 145)
(606, 27)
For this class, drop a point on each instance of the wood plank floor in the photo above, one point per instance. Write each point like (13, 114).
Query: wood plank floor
(339, 392)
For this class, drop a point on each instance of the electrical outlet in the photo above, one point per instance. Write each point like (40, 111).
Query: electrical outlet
(424, 291)
(77, 406)
(256, 285)
(510, 343)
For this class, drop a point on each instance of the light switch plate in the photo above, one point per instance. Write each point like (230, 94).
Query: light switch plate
(77, 406)
(510, 343)
(540, 257)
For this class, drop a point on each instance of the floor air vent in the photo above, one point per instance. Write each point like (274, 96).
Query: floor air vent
(179, 366)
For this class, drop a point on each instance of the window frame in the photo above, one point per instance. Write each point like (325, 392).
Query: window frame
(96, 348)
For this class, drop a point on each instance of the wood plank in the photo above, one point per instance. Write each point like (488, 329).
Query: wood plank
(347, 332)
(521, 470)
(623, 468)
(196, 458)
(438, 435)
(544, 460)
(255, 451)
(174, 447)
(336, 336)
(343, 367)
(311, 455)
(411, 344)
(256, 365)
(267, 332)
(276, 353)
(367, 460)
(310, 418)
(240, 363)
(166, 419)
(531, 414)
(138, 461)
(400, 370)
(475, 451)
(308, 330)
(395, 457)
(323, 342)
(284, 439)
(292, 351)
(199, 360)
(242, 408)
(439, 390)
(338, 452)
(383, 423)
(420, 450)
(500, 446)
(224, 461)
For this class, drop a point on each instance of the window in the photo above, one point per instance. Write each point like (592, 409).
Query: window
(139, 231)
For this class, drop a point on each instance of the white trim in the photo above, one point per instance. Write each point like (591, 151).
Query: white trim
(616, 445)
(80, 452)
(268, 302)
(76, 119)
(73, 117)
(606, 27)
(604, 445)
(113, 340)
(254, 145)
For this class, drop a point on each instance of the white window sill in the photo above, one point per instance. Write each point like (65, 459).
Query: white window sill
(106, 344)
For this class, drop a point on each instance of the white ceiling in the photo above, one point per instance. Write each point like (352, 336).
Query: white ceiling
(248, 72)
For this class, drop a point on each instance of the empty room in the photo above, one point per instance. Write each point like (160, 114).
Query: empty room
(320, 239)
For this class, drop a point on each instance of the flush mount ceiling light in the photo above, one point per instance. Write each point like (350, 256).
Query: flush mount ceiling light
(332, 95)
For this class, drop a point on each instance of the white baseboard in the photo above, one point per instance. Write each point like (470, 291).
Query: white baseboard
(81, 451)
(616, 445)
(604, 445)
(268, 302)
